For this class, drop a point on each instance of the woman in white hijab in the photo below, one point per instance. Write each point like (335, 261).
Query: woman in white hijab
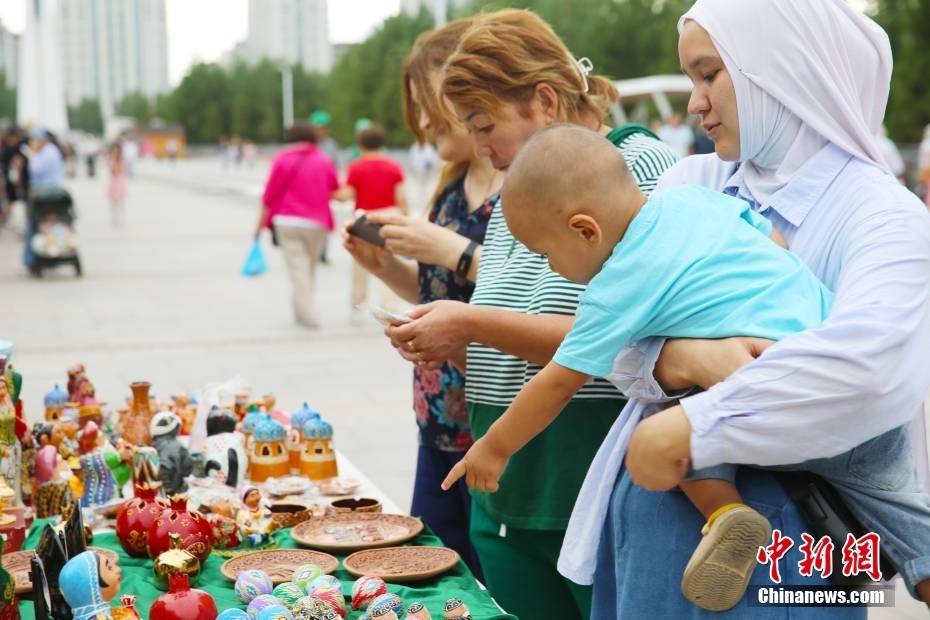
(792, 92)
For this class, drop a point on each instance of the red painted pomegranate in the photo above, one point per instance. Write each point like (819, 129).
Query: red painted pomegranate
(135, 518)
(194, 530)
(183, 603)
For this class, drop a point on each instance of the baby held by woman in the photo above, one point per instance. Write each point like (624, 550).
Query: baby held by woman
(686, 263)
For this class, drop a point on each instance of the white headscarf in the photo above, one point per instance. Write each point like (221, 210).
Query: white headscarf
(805, 72)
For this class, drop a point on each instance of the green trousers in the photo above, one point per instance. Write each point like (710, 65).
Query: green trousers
(520, 570)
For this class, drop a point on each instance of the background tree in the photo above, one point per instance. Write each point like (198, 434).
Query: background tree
(7, 99)
(366, 82)
(137, 107)
(86, 116)
(908, 25)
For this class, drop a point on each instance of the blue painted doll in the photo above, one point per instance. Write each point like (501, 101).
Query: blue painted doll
(88, 582)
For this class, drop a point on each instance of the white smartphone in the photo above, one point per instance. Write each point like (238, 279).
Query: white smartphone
(388, 318)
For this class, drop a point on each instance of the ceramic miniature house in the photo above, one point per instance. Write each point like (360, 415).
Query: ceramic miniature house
(267, 453)
(318, 458)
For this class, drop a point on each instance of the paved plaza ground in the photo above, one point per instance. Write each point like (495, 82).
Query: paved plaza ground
(162, 300)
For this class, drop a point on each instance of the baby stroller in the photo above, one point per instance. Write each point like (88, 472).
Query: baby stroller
(51, 218)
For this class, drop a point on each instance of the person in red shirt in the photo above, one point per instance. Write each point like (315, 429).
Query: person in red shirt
(376, 182)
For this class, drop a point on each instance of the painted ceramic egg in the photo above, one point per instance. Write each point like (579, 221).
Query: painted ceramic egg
(260, 602)
(275, 612)
(455, 608)
(389, 601)
(252, 583)
(366, 589)
(381, 613)
(324, 581)
(309, 608)
(418, 611)
(233, 614)
(289, 592)
(333, 598)
(305, 574)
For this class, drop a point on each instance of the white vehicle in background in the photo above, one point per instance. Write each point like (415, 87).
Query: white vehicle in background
(636, 94)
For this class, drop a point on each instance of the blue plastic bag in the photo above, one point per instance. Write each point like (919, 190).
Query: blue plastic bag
(255, 263)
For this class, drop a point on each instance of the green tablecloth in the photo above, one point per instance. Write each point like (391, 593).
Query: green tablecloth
(138, 579)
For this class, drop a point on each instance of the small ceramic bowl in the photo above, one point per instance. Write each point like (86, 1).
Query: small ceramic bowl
(289, 515)
(362, 504)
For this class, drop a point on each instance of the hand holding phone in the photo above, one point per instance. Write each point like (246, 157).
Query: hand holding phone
(386, 317)
(367, 231)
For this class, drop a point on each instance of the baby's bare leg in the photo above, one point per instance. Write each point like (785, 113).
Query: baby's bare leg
(710, 494)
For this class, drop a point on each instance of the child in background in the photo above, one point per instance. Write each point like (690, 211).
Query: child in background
(116, 190)
(687, 263)
(375, 182)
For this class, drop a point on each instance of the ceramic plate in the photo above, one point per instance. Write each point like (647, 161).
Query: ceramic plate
(401, 563)
(278, 563)
(349, 532)
(337, 486)
(17, 564)
(290, 485)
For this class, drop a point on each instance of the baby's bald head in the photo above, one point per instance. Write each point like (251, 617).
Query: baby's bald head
(562, 170)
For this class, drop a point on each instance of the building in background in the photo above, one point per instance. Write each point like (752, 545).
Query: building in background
(40, 98)
(111, 48)
(293, 31)
(9, 54)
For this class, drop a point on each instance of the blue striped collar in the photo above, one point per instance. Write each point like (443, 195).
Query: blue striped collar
(794, 201)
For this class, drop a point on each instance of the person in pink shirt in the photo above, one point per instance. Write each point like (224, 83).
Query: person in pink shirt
(295, 207)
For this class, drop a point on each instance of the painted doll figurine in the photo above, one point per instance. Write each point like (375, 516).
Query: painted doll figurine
(225, 453)
(53, 493)
(253, 517)
(88, 582)
(10, 449)
(174, 459)
(99, 483)
(318, 458)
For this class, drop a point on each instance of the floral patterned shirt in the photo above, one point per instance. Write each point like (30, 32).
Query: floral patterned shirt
(439, 395)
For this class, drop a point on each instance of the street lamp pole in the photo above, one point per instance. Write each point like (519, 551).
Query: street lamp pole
(287, 96)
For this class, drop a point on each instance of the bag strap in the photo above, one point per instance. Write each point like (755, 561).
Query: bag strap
(619, 135)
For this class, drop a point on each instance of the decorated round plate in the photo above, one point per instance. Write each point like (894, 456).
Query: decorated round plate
(337, 486)
(278, 563)
(401, 563)
(289, 485)
(17, 564)
(352, 531)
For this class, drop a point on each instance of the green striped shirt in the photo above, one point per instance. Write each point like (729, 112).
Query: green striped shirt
(513, 278)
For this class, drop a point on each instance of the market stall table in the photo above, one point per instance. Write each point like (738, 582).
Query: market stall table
(138, 578)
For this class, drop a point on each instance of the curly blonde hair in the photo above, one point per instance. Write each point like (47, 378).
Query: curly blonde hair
(504, 55)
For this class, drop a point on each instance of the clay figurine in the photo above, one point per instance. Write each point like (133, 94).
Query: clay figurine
(53, 493)
(455, 609)
(88, 582)
(99, 483)
(10, 448)
(185, 410)
(253, 517)
(225, 453)
(174, 459)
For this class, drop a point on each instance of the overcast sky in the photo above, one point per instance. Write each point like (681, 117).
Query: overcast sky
(204, 29)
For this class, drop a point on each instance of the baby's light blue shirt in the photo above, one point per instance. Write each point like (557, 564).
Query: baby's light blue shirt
(694, 263)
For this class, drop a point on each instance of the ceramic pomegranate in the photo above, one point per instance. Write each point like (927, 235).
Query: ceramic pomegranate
(135, 518)
(193, 528)
(183, 603)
